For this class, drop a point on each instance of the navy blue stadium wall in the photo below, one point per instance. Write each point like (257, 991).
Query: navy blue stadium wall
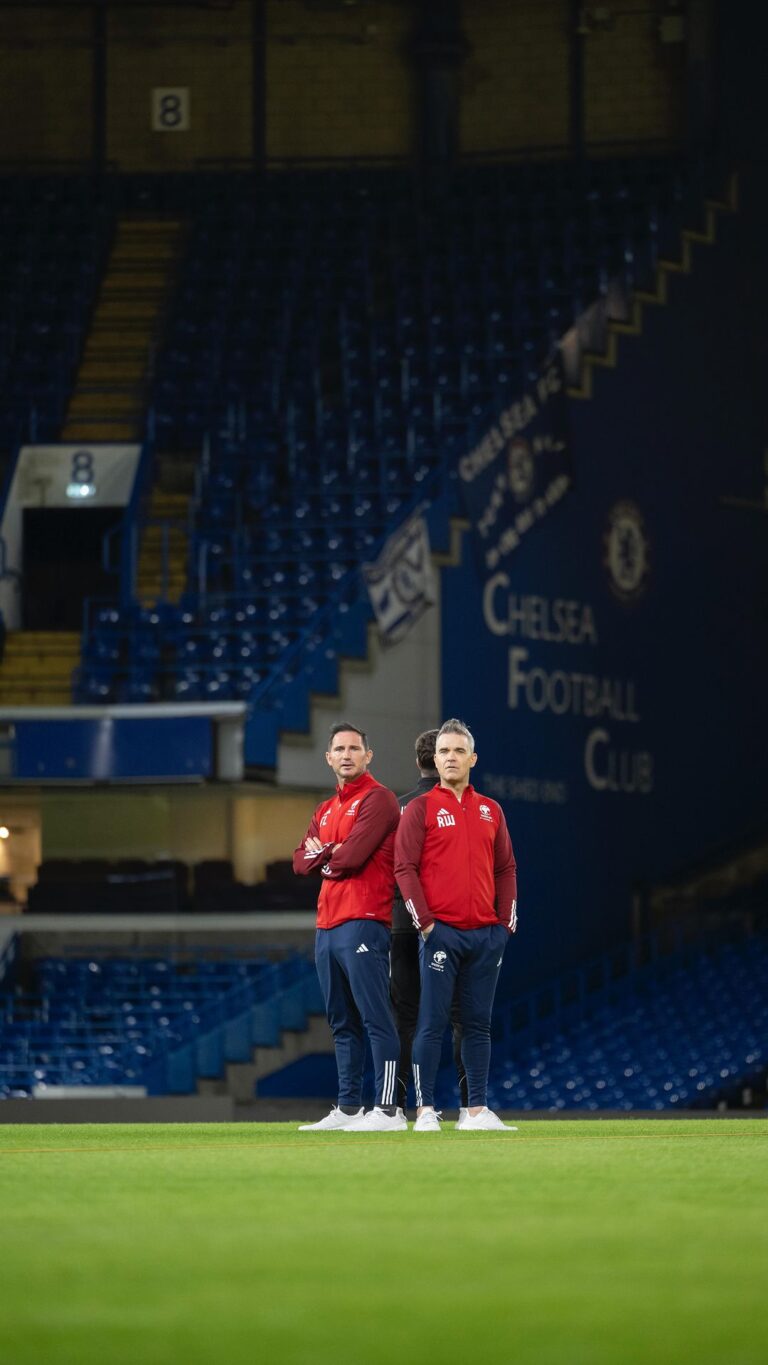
(669, 763)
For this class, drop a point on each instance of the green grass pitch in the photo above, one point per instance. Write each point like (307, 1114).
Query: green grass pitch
(584, 1243)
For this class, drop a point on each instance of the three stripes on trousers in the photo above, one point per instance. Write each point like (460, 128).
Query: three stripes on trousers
(390, 1078)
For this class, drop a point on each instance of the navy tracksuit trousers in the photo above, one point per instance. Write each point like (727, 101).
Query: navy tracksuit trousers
(467, 960)
(353, 966)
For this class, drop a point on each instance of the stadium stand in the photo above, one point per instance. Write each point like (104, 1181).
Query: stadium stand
(335, 340)
(152, 1022)
(54, 239)
(685, 1032)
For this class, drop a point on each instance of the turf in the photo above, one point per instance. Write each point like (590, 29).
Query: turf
(589, 1243)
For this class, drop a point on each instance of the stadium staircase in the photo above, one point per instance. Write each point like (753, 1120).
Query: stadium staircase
(109, 399)
(304, 1035)
(37, 667)
(162, 565)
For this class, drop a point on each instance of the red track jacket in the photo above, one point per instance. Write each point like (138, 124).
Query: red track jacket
(454, 861)
(358, 879)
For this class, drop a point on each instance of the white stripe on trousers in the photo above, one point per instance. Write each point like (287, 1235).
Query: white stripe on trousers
(388, 1090)
(417, 1083)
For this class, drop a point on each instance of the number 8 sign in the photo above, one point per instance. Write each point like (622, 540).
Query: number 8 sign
(170, 109)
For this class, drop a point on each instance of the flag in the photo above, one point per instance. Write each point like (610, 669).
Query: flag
(401, 583)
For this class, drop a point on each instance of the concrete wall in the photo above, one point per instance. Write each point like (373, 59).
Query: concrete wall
(339, 80)
(190, 824)
(515, 83)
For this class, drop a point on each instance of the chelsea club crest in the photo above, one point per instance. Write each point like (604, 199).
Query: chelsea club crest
(626, 552)
(520, 469)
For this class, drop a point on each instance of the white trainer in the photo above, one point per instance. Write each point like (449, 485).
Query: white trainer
(337, 1119)
(460, 1120)
(376, 1121)
(427, 1122)
(486, 1121)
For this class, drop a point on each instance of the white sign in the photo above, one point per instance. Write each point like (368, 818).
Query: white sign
(170, 109)
(48, 476)
(100, 475)
(401, 583)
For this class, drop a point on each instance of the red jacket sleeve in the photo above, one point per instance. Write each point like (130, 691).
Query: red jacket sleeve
(378, 816)
(304, 862)
(505, 874)
(409, 842)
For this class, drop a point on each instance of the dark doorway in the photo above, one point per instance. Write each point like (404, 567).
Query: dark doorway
(63, 564)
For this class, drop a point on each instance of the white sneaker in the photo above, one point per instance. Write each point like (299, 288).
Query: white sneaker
(485, 1121)
(376, 1121)
(427, 1122)
(337, 1119)
(460, 1120)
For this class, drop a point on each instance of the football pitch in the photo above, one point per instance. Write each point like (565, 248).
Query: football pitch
(566, 1243)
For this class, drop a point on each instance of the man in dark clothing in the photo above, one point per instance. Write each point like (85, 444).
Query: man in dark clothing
(405, 983)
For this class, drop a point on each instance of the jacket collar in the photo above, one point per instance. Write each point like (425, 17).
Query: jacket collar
(359, 785)
(468, 791)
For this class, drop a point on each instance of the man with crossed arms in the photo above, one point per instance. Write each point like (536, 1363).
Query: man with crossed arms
(350, 842)
(456, 870)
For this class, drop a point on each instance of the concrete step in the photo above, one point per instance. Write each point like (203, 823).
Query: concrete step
(243, 1077)
(131, 310)
(125, 390)
(35, 696)
(38, 673)
(153, 547)
(138, 275)
(126, 332)
(151, 253)
(163, 498)
(112, 345)
(124, 404)
(43, 638)
(101, 430)
(99, 370)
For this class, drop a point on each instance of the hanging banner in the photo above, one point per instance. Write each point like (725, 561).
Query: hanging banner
(520, 469)
(401, 583)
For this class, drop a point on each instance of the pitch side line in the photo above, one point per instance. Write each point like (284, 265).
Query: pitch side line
(281, 1146)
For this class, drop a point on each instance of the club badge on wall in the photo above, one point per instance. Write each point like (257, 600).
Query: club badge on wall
(626, 552)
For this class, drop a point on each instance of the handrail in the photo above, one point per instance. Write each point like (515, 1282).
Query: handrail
(5, 572)
(130, 521)
(10, 474)
(8, 955)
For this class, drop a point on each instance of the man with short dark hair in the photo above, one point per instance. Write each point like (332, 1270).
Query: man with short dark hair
(405, 979)
(350, 841)
(456, 870)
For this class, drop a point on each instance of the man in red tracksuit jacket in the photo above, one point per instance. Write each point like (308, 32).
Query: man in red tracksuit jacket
(350, 841)
(456, 870)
